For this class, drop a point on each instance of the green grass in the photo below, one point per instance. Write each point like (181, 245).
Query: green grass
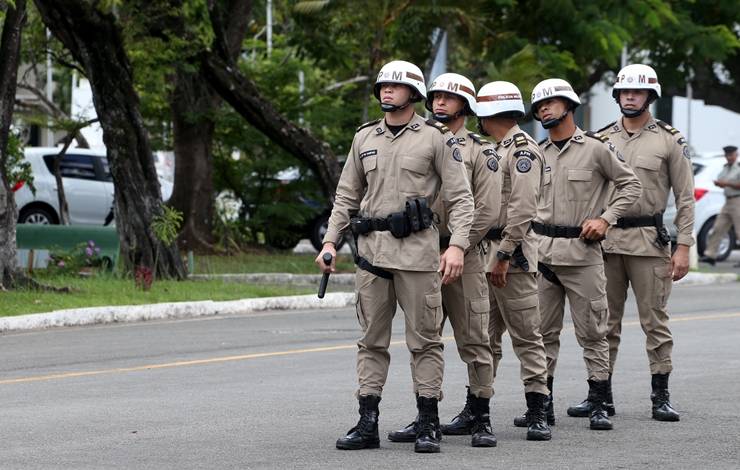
(111, 290)
(263, 262)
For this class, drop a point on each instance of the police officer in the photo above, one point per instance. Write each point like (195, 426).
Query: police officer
(512, 254)
(450, 98)
(637, 247)
(729, 180)
(578, 169)
(393, 171)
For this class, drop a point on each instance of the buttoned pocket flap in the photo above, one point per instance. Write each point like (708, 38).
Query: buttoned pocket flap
(370, 163)
(648, 163)
(579, 175)
(417, 165)
(524, 303)
(480, 305)
(434, 300)
(597, 305)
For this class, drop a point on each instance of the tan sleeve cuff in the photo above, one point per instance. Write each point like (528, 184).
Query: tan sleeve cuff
(458, 241)
(331, 236)
(684, 239)
(609, 216)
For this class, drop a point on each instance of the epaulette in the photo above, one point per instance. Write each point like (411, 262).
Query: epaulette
(671, 130)
(478, 139)
(597, 136)
(438, 125)
(542, 141)
(520, 140)
(607, 126)
(368, 124)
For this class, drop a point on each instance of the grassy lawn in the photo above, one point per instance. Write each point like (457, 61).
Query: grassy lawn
(111, 290)
(264, 262)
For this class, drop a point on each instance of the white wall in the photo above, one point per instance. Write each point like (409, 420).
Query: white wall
(83, 109)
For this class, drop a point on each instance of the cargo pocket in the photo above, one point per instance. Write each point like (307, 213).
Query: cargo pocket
(598, 317)
(663, 284)
(360, 313)
(432, 315)
(523, 313)
(478, 319)
(579, 184)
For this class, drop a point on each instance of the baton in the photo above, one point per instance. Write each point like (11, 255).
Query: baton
(325, 278)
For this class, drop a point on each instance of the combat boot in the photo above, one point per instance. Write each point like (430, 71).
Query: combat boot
(583, 409)
(482, 434)
(537, 428)
(365, 434)
(521, 421)
(461, 424)
(597, 391)
(427, 428)
(662, 409)
(406, 434)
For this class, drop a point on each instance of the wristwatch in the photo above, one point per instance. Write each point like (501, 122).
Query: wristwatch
(503, 256)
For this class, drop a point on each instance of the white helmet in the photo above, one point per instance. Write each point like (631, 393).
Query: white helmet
(400, 71)
(637, 77)
(457, 85)
(553, 88)
(500, 97)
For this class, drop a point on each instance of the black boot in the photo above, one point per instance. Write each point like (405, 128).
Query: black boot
(662, 409)
(537, 428)
(427, 429)
(521, 421)
(583, 409)
(407, 434)
(365, 434)
(597, 391)
(482, 434)
(461, 424)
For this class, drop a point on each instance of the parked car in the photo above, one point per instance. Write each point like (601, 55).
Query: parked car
(88, 187)
(709, 201)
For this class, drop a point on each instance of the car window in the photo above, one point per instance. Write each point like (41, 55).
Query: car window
(106, 169)
(697, 168)
(74, 166)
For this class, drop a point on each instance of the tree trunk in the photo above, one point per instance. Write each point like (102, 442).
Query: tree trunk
(94, 39)
(9, 51)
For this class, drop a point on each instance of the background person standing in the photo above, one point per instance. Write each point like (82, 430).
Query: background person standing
(729, 216)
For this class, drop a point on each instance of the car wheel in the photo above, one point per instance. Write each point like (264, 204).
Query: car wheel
(725, 245)
(318, 230)
(37, 216)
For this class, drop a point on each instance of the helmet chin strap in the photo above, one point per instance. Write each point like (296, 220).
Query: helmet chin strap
(633, 113)
(481, 130)
(445, 118)
(550, 123)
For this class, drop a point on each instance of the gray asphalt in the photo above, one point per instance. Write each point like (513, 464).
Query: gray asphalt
(275, 390)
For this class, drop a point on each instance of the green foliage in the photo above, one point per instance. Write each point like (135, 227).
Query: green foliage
(17, 169)
(166, 226)
(84, 255)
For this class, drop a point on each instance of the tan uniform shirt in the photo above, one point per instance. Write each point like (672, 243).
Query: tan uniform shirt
(732, 174)
(660, 158)
(383, 171)
(484, 175)
(576, 183)
(521, 190)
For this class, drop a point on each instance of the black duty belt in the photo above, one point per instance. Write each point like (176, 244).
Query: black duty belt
(548, 274)
(416, 217)
(496, 233)
(364, 264)
(641, 221)
(556, 231)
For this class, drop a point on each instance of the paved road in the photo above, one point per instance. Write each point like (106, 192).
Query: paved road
(274, 390)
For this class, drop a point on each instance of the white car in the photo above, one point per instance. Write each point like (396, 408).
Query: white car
(88, 187)
(709, 201)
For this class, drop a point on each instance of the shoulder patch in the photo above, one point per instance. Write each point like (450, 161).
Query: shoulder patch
(523, 165)
(670, 129)
(456, 155)
(437, 125)
(607, 126)
(520, 140)
(597, 136)
(492, 164)
(524, 153)
(686, 152)
(478, 139)
(368, 124)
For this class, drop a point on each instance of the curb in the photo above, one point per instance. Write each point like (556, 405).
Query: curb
(166, 311)
(703, 279)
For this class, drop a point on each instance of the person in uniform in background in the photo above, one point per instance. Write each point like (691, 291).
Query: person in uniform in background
(393, 172)
(637, 247)
(578, 169)
(729, 180)
(450, 98)
(512, 254)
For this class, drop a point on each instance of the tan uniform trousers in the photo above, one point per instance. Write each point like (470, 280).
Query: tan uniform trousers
(651, 280)
(418, 294)
(516, 308)
(465, 303)
(585, 287)
(728, 216)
